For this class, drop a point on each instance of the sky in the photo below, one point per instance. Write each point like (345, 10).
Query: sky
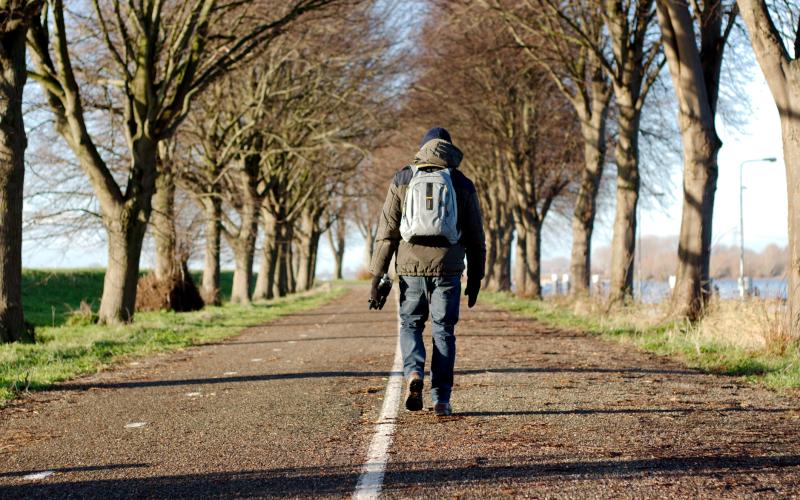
(765, 200)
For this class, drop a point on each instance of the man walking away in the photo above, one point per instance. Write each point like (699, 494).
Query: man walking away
(431, 219)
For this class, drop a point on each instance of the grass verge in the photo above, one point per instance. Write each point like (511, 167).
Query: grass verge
(63, 352)
(734, 338)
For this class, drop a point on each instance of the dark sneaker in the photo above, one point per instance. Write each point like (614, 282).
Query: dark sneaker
(443, 409)
(414, 400)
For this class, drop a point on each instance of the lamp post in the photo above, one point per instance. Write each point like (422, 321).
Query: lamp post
(770, 159)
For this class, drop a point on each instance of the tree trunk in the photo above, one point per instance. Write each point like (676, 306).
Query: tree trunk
(243, 254)
(304, 253)
(122, 275)
(126, 226)
(244, 247)
(623, 243)
(308, 247)
(533, 262)
(313, 260)
(490, 228)
(244, 243)
(12, 172)
(502, 262)
(491, 255)
(499, 265)
(337, 238)
(338, 263)
(783, 76)
(292, 264)
(283, 271)
(266, 272)
(790, 128)
(520, 257)
(163, 224)
(700, 171)
(211, 270)
(500, 233)
(593, 129)
(695, 78)
(261, 291)
(369, 247)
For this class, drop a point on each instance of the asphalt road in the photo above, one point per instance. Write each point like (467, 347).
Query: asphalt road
(290, 409)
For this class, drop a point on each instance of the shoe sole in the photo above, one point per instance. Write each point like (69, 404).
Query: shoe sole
(414, 400)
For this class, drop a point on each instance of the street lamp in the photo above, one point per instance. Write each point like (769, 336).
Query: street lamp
(770, 159)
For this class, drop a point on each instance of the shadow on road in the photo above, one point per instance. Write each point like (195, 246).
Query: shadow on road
(341, 480)
(358, 337)
(76, 386)
(622, 411)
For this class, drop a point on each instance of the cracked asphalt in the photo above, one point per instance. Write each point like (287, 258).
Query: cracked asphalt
(288, 410)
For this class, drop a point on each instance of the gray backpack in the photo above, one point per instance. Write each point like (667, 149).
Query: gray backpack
(430, 209)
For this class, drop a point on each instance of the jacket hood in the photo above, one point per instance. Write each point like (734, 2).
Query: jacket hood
(438, 153)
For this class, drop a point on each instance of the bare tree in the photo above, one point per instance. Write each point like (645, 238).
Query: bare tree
(15, 17)
(633, 60)
(337, 238)
(540, 172)
(162, 222)
(161, 55)
(775, 35)
(696, 77)
(519, 149)
(578, 73)
(243, 194)
(493, 188)
(205, 151)
(367, 190)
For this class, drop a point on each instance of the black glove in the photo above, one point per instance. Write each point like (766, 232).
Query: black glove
(472, 290)
(381, 286)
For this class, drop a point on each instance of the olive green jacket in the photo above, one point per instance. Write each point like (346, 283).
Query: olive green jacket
(430, 260)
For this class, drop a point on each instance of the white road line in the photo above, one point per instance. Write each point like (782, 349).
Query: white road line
(370, 482)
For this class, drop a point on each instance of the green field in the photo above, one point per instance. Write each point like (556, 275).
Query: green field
(65, 351)
(48, 296)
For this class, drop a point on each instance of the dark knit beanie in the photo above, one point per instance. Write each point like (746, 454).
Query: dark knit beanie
(435, 133)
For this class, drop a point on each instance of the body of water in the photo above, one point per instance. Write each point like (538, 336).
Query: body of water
(655, 291)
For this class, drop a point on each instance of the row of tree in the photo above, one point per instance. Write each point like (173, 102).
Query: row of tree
(277, 120)
(553, 92)
(254, 110)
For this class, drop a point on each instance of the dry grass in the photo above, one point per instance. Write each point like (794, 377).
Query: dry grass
(742, 324)
(753, 324)
(749, 338)
(636, 316)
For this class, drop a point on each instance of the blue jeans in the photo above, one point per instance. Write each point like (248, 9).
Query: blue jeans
(440, 297)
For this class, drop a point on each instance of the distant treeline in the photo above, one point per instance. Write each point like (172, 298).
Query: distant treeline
(659, 260)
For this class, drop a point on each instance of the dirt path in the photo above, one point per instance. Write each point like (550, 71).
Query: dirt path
(289, 409)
